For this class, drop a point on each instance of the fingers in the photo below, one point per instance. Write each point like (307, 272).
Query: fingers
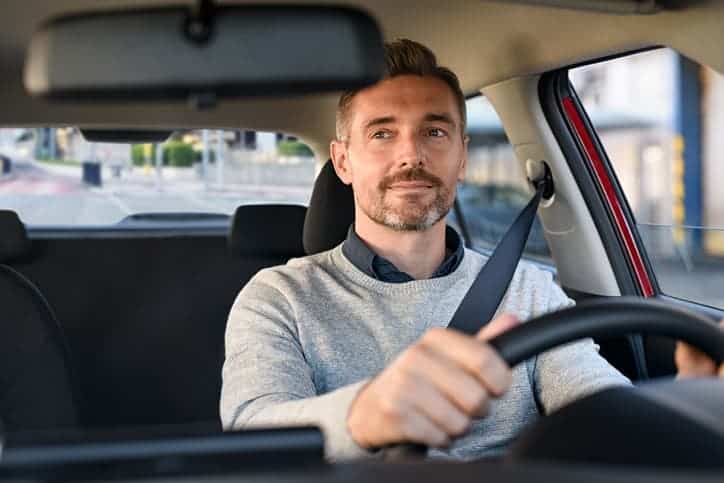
(439, 410)
(477, 358)
(381, 416)
(691, 362)
(497, 326)
(459, 387)
(400, 406)
(417, 428)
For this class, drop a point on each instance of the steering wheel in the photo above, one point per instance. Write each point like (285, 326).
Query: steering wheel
(603, 317)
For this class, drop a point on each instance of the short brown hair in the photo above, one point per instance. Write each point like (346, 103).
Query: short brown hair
(407, 57)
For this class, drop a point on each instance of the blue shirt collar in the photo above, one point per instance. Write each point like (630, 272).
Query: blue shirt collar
(382, 269)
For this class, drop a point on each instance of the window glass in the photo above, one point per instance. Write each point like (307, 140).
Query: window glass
(53, 177)
(660, 116)
(494, 191)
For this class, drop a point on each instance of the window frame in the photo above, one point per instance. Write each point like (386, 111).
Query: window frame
(544, 263)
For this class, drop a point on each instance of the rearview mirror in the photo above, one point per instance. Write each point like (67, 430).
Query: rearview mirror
(203, 55)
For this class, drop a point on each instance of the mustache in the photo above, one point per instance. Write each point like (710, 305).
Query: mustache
(414, 174)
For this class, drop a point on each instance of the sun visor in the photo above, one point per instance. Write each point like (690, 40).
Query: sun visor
(204, 54)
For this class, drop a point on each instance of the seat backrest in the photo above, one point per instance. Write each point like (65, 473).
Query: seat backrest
(330, 212)
(36, 382)
(267, 231)
(14, 242)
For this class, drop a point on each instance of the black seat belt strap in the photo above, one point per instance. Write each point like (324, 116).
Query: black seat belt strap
(487, 291)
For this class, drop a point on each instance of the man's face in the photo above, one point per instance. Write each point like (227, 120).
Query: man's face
(404, 151)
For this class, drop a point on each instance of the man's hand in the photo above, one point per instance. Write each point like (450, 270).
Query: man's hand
(692, 362)
(433, 390)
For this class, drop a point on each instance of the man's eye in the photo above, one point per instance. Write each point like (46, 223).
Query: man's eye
(381, 135)
(436, 132)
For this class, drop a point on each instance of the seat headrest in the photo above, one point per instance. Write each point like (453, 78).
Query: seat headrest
(14, 241)
(267, 231)
(330, 212)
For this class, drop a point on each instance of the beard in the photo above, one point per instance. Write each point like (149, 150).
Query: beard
(410, 212)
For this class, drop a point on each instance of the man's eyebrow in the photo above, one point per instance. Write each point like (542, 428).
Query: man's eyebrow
(442, 117)
(429, 117)
(379, 120)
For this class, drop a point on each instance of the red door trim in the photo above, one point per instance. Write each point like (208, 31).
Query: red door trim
(605, 182)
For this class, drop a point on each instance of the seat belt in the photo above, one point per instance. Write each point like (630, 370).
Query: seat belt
(475, 310)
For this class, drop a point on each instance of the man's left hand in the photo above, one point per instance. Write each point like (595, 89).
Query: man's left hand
(692, 362)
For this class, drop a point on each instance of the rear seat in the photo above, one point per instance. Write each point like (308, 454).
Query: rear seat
(36, 382)
(267, 231)
(145, 315)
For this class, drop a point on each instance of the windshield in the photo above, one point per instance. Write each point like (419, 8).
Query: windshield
(54, 177)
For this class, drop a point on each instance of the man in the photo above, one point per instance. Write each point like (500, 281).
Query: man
(354, 339)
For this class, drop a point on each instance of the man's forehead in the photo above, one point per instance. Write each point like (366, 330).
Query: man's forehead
(402, 97)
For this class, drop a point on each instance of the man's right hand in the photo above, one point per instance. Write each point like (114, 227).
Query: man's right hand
(432, 392)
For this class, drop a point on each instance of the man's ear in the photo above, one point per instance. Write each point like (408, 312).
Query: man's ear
(464, 161)
(338, 153)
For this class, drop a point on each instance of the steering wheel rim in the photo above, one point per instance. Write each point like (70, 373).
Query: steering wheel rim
(608, 317)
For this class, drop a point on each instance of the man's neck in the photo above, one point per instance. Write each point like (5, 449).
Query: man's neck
(417, 253)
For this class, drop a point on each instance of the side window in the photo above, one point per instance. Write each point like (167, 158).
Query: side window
(495, 190)
(54, 177)
(659, 116)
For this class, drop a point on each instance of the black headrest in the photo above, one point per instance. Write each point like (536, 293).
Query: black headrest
(330, 212)
(14, 241)
(267, 231)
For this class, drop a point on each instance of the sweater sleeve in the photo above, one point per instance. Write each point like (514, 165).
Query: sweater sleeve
(266, 379)
(572, 371)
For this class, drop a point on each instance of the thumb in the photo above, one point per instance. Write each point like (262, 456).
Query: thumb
(497, 326)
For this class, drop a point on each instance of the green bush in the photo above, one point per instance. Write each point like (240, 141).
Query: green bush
(293, 148)
(178, 154)
(174, 153)
(137, 155)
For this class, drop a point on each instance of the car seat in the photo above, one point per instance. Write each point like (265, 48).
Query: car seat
(36, 388)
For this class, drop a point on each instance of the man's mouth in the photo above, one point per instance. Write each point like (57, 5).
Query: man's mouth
(411, 185)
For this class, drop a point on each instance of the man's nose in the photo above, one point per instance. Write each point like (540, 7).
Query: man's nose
(410, 153)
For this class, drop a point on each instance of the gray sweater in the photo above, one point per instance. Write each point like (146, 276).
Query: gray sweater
(303, 338)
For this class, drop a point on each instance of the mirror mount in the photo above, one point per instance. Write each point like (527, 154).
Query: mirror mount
(199, 25)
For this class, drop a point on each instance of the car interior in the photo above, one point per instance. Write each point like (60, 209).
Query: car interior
(117, 329)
